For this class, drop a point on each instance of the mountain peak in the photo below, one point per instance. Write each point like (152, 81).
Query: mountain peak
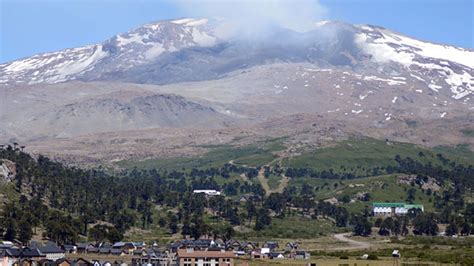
(188, 49)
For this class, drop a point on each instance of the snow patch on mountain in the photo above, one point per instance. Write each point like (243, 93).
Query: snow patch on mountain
(54, 67)
(386, 46)
(388, 81)
(133, 38)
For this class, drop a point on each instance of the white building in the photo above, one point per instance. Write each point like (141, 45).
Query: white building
(393, 208)
(209, 192)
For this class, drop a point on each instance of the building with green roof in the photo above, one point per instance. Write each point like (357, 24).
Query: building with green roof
(393, 208)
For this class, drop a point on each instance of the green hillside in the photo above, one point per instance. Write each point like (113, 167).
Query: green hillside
(353, 155)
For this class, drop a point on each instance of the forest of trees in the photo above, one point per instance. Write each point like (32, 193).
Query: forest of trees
(66, 201)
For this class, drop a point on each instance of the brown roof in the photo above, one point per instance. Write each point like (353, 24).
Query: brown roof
(183, 253)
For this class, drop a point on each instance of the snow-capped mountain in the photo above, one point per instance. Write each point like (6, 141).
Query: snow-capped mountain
(178, 76)
(189, 50)
(118, 54)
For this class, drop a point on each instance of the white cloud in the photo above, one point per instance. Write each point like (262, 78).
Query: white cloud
(254, 17)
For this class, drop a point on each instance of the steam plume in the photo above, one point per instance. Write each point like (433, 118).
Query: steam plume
(252, 18)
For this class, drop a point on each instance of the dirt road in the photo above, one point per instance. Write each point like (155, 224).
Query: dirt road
(353, 244)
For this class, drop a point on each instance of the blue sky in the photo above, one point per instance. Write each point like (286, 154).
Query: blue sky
(35, 26)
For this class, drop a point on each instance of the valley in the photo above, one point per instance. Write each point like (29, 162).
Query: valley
(337, 145)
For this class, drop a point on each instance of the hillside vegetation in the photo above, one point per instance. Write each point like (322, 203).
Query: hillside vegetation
(157, 204)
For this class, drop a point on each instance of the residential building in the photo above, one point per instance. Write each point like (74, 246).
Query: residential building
(301, 255)
(71, 249)
(272, 245)
(276, 255)
(208, 192)
(51, 251)
(63, 262)
(127, 247)
(208, 257)
(20, 256)
(393, 208)
(82, 262)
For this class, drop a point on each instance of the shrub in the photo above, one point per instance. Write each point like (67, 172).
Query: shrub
(344, 257)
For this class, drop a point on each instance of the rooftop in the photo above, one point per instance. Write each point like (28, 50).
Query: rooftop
(397, 204)
(388, 204)
(183, 253)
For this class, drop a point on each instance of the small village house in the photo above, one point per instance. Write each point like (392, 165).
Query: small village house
(63, 262)
(51, 251)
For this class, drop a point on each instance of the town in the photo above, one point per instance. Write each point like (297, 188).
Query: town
(185, 252)
(181, 252)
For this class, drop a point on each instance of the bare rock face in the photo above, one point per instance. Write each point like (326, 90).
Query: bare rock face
(7, 171)
(182, 84)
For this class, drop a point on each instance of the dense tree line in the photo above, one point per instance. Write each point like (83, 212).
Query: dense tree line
(68, 202)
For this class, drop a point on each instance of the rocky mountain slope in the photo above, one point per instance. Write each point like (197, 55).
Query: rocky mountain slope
(185, 79)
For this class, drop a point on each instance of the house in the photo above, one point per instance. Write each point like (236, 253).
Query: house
(26, 262)
(302, 255)
(272, 245)
(207, 192)
(63, 262)
(248, 246)
(92, 249)
(191, 257)
(151, 251)
(6, 245)
(258, 255)
(22, 256)
(292, 246)
(198, 244)
(157, 259)
(139, 252)
(5, 258)
(51, 251)
(173, 247)
(45, 262)
(232, 244)
(127, 247)
(81, 262)
(104, 251)
(393, 208)
(70, 249)
(265, 251)
(139, 245)
(275, 255)
(82, 247)
(118, 252)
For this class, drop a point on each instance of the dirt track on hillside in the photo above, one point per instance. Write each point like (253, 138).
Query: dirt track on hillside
(353, 244)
